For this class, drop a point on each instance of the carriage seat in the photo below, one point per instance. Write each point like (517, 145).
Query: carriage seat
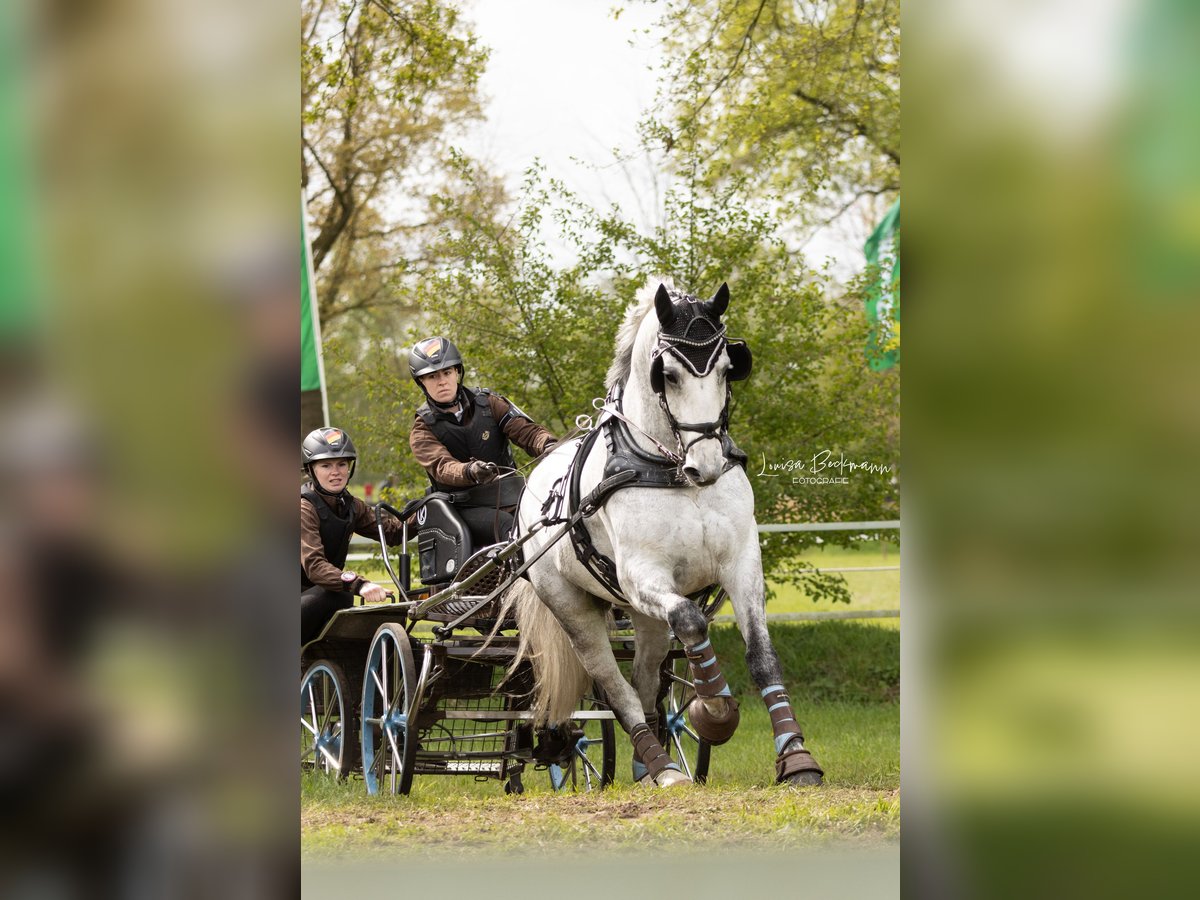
(444, 541)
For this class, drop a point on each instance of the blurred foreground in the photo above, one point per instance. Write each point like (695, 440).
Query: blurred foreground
(1051, 636)
(148, 367)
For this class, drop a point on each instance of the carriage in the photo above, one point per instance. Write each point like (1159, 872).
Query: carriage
(437, 682)
(421, 685)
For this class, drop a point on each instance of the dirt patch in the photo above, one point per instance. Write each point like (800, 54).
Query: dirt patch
(613, 820)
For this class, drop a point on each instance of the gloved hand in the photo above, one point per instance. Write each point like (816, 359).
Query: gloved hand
(482, 472)
(549, 445)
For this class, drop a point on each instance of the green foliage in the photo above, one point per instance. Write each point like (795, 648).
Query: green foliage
(542, 333)
(385, 88)
(801, 98)
(826, 662)
(533, 291)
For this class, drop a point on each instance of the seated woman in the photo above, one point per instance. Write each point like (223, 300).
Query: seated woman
(329, 515)
(461, 435)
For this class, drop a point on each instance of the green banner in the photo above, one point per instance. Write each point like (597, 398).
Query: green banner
(883, 295)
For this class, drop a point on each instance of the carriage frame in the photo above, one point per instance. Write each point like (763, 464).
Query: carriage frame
(386, 700)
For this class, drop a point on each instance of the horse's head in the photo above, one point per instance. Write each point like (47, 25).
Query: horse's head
(691, 365)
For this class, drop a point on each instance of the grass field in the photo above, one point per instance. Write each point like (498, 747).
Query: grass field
(844, 681)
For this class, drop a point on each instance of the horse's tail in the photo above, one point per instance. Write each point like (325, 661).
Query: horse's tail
(559, 679)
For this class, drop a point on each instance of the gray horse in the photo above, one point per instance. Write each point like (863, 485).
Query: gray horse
(670, 512)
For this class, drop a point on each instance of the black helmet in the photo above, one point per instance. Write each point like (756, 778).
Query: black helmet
(432, 355)
(327, 443)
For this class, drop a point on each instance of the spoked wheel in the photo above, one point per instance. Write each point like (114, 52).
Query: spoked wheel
(593, 760)
(687, 748)
(326, 730)
(389, 737)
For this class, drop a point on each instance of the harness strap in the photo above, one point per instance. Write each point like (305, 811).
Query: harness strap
(615, 411)
(603, 569)
(627, 466)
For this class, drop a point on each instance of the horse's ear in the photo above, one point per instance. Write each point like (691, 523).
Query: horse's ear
(662, 306)
(740, 360)
(720, 301)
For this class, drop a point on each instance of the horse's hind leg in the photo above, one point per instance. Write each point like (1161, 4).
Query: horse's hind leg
(793, 763)
(650, 649)
(584, 619)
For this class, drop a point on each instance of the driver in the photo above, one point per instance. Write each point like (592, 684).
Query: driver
(461, 435)
(329, 515)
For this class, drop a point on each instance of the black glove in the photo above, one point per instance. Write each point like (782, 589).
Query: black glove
(482, 472)
(549, 445)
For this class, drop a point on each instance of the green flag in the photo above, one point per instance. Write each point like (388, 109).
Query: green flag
(312, 370)
(883, 295)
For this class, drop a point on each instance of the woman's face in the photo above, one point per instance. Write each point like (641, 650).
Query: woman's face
(332, 474)
(443, 385)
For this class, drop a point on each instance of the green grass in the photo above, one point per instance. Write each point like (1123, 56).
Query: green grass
(868, 590)
(626, 817)
(821, 661)
(843, 678)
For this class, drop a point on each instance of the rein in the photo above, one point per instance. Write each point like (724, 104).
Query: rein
(615, 411)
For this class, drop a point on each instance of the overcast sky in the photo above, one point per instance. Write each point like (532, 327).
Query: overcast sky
(563, 82)
(567, 83)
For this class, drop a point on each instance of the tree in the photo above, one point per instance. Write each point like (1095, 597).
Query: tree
(541, 329)
(543, 332)
(798, 99)
(385, 87)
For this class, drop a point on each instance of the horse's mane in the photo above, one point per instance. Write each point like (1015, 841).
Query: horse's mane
(618, 371)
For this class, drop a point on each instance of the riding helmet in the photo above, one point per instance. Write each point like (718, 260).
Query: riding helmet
(327, 443)
(432, 355)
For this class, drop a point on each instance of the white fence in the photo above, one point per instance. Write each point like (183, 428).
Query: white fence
(887, 525)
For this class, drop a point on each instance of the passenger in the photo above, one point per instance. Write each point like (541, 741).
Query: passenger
(461, 435)
(329, 515)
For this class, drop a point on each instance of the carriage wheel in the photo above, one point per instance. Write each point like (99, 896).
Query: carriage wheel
(687, 748)
(593, 757)
(326, 730)
(389, 737)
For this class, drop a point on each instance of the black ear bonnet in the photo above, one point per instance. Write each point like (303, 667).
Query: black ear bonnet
(691, 330)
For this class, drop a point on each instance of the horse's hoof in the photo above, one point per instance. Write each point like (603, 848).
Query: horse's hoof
(797, 766)
(716, 729)
(806, 779)
(671, 777)
(666, 778)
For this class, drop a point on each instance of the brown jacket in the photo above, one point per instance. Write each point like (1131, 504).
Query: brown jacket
(320, 570)
(445, 469)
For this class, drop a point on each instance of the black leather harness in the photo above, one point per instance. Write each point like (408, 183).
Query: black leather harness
(627, 465)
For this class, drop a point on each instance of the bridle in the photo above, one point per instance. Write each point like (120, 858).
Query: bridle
(698, 348)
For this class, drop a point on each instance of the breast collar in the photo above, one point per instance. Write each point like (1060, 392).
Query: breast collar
(627, 465)
(624, 455)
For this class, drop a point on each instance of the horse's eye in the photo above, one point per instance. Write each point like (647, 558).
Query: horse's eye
(671, 377)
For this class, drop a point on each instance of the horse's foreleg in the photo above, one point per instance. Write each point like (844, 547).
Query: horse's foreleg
(650, 649)
(714, 713)
(793, 763)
